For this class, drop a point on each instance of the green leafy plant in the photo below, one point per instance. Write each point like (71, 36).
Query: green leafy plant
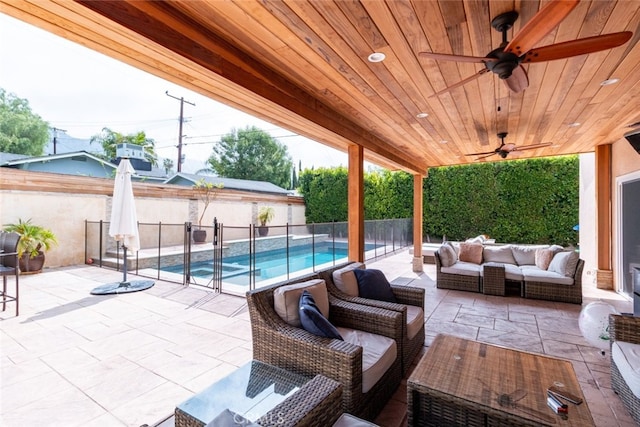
(206, 192)
(265, 215)
(33, 238)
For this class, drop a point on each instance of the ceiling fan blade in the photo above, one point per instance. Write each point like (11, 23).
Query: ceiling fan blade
(547, 18)
(518, 81)
(531, 147)
(480, 154)
(461, 82)
(577, 47)
(484, 157)
(457, 58)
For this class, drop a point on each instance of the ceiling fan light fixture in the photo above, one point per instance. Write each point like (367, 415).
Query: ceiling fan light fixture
(422, 115)
(609, 81)
(377, 57)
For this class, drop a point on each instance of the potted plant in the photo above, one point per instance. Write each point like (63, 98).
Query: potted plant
(206, 192)
(265, 215)
(35, 240)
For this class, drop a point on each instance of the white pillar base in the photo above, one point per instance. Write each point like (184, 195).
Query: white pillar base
(418, 264)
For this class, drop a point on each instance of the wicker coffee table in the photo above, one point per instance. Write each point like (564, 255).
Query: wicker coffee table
(467, 383)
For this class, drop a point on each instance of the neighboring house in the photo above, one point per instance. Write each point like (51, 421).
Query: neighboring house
(188, 179)
(79, 163)
(61, 143)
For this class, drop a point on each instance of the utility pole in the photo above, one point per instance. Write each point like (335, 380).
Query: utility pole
(182, 101)
(55, 137)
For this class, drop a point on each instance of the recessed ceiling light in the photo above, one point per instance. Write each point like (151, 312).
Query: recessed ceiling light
(422, 115)
(377, 57)
(443, 141)
(609, 82)
(574, 124)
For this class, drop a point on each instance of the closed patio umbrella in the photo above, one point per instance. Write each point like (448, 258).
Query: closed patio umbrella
(124, 228)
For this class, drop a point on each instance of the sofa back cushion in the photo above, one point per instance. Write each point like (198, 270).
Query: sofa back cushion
(345, 280)
(501, 254)
(526, 255)
(471, 252)
(286, 300)
(564, 263)
(448, 254)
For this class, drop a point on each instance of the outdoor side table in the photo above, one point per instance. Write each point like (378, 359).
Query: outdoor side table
(493, 279)
(255, 389)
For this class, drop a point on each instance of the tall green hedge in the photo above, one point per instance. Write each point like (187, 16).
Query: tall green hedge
(523, 201)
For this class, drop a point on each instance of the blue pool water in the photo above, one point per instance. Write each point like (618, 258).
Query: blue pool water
(270, 264)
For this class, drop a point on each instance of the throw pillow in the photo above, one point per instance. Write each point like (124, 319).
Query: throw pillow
(287, 298)
(543, 258)
(564, 263)
(470, 252)
(313, 321)
(448, 255)
(373, 285)
(344, 279)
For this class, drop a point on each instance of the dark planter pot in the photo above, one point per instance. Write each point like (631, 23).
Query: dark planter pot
(199, 236)
(263, 230)
(31, 265)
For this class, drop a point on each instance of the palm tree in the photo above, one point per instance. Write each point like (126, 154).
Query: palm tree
(110, 139)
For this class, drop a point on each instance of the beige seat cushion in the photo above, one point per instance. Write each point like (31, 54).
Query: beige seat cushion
(415, 320)
(627, 358)
(345, 280)
(286, 300)
(378, 354)
(348, 420)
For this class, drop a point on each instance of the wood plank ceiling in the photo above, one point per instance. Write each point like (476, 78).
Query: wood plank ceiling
(303, 65)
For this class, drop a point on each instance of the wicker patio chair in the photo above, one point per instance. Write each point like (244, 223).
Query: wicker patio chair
(457, 282)
(405, 295)
(556, 292)
(624, 328)
(9, 267)
(277, 343)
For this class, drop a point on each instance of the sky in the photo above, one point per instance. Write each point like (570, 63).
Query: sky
(82, 91)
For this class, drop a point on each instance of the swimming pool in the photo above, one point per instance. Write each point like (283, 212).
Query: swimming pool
(270, 264)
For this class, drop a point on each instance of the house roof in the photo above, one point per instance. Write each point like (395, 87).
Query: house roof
(229, 183)
(156, 174)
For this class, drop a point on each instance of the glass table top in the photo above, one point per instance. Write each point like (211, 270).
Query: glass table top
(251, 391)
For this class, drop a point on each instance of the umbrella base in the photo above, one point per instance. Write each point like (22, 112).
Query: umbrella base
(123, 287)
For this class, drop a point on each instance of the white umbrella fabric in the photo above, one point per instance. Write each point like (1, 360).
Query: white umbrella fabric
(124, 228)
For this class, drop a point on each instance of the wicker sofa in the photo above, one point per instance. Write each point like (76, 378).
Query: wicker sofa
(278, 343)
(498, 266)
(409, 302)
(624, 333)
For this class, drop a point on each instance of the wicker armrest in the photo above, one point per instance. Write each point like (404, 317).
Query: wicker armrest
(408, 295)
(375, 320)
(317, 403)
(624, 328)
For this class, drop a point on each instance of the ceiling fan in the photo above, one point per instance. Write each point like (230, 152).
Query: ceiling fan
(506, 61)
(504, 149)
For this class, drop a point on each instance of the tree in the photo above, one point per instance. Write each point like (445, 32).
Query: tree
(251, 153)
(21, 130)
(167, 164)
(109, 139)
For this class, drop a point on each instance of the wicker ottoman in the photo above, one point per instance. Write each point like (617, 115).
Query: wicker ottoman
(493, 279)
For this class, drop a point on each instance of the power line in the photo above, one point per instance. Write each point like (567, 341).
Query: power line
(182, 101)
